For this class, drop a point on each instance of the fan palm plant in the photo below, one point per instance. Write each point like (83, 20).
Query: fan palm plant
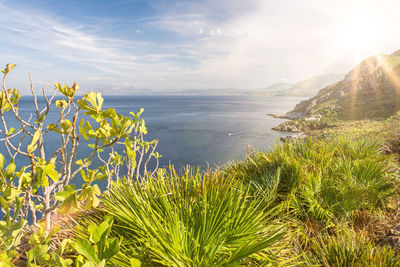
(349, 249)
(192, 219)
(321, 181)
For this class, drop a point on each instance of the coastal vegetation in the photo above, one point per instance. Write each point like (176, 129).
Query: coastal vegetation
(327, 200)
(369, 91)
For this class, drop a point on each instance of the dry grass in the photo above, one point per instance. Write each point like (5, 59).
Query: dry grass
(66, 224)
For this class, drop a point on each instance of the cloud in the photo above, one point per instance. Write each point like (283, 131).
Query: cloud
(192, 44)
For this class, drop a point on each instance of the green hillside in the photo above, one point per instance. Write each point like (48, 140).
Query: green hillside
(370, 91)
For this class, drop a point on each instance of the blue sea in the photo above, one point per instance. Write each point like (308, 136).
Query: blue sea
(202, 130)
(197, 130)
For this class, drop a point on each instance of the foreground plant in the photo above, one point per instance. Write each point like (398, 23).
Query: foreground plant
(325, 181)
(43, 185)
(190, 219)
(349, 249)
(40, 253)
(98, 249)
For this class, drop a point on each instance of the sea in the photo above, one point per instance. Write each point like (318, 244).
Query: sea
(205, 131)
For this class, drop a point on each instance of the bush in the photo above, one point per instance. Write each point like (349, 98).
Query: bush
(43, 183)
(324, 181)
(349, 249)
(36, 177)
(191, 219)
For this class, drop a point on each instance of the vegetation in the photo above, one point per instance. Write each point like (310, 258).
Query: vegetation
(41, 186)
(369, 91)
(350, 249)
(323, 185)
(191, 219)
(317, 201)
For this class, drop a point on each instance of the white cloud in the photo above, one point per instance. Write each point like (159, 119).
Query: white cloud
(236, 44)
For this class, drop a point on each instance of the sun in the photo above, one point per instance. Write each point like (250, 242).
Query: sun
(361, 33)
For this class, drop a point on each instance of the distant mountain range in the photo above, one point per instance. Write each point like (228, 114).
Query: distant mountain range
(371, 90)
(308, 87)
(276, 87)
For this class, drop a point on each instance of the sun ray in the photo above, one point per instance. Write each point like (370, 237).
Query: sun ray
(390, 73)
(353, 89)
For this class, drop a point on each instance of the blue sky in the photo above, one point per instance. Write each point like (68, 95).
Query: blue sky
(124, 45)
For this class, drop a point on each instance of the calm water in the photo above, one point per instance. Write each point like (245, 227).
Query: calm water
(207, 129)
(197, 130)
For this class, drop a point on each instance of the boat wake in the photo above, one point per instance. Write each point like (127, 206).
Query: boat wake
(234, 133)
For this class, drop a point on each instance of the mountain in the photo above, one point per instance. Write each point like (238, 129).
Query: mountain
(221, 91)
(370, 91)
(310, 87)
(278, 87)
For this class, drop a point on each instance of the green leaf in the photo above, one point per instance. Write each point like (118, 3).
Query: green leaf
(89, 195)
(131, 154)
(84, 177)
(112, 248)
(109, 113)
(100, 232)
(2, 161)
(51, 172)
(66, 125)
(67, 91)
(8, 68)
(92, 103)
(62, 104)
(11, 131)
(83, 247)
(32, 146)
(58, 86)
(43, 179)
(68, 190)
(10, 169)
(53, 127)
(84, 129)
(70, 203)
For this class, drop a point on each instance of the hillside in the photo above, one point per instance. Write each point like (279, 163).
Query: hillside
(310, 87)
(277, 87)
(370, 91)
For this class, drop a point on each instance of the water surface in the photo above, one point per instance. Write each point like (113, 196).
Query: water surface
(197, 130)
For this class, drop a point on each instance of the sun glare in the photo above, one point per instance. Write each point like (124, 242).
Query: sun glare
(360, 33)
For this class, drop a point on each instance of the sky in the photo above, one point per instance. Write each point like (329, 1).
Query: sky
(126, 46)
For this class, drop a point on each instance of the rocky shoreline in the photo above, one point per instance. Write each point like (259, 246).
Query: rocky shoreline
(299, 124)
(291, 126)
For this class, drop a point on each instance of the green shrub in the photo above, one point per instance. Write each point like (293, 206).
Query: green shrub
(349, 249)
(324, 181)
(191, 219)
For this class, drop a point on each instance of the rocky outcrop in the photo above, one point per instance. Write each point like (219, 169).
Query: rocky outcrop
(293, 137)
(289, 126)
(277, 116)
(289, 115)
